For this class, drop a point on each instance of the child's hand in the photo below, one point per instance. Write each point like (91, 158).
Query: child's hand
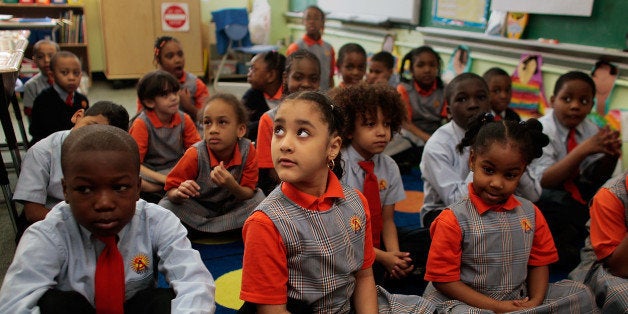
(398, 264)
(605, 141)
(509, 305)
(222, 177)
(187, 189)
(528, 303)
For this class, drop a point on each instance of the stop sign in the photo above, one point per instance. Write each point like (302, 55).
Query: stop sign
(175, 17)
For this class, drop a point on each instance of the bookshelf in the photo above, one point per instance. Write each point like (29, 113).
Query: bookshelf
(70, 31)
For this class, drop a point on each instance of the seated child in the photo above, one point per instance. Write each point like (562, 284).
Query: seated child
(169, 56)
(38, 187)
(161, 130)
(266, 79)
(425, 102)
(213, 187)
(500, 91)
(351, 64)
(579, 159)
(444, 167)
(54, 106)
(373, 113)
(381, 69)
(311, 228)
(303, 72)
(603, 267)
(43, 51)
(312, 41)
(491, 250)
(99, 251)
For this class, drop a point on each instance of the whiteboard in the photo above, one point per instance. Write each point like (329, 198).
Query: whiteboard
(373, 11)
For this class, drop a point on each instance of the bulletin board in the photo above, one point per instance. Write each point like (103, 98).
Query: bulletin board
(467, 13)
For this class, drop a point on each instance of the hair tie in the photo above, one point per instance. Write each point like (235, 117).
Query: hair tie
(488, 117)
(522, 122)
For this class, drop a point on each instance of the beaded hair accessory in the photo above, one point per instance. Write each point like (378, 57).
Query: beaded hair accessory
(157, 50)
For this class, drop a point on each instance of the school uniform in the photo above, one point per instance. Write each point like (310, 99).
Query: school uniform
(58, 253)
(215, 209)
(295, 241)
(391, 189)
(445, 171)
(40, 179)
(565, 214)
(608, 228)
(162, 145)
(489, 248)
(32, 88)
(323, 51)
(51, 113)
(425, 107)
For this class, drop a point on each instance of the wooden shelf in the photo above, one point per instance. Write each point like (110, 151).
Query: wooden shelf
(54, 11)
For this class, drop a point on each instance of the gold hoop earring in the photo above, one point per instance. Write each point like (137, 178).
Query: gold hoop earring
(331, 164)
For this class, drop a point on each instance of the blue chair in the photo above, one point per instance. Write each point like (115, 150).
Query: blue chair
(232, 36)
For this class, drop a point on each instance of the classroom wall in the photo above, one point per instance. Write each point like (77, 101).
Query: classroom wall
(371, 39)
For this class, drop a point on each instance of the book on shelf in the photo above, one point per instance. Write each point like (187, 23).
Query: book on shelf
(71, 28)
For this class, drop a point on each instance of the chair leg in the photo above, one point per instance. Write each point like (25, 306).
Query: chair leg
(222, 63)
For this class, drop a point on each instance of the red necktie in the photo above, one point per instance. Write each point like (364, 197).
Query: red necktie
(371, 192)
(497, 117)
(69, 99)
(109, 287)
(569, 185)
(50, 81)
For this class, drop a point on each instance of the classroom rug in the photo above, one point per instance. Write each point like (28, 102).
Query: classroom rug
(222, 254)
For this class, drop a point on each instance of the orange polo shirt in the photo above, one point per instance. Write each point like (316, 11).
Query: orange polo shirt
(264, 137)
(401, 89)
(311, 42)
(139, 130)
(445, 256)
(608, 227)
(187, 167)
(265, 266)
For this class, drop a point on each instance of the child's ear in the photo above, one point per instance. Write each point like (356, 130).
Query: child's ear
(334, 145)
(65, 193)
(552, 100)
(77, 116)
(241, 130)
(149, 103)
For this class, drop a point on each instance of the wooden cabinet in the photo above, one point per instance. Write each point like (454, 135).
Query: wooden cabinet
(130, 29)
(70, 32)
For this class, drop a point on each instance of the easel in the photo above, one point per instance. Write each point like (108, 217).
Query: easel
(13, 43)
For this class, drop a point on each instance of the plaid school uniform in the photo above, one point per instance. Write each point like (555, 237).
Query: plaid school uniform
(496, 248)
(216, 209)
(611, 291)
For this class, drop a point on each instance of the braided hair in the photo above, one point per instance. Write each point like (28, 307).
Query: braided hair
(484, 131)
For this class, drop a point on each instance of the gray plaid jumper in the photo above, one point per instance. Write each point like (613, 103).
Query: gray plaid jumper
(324, 249)
(165, 145)
(216, 209)
(495, 254)
(611, 292)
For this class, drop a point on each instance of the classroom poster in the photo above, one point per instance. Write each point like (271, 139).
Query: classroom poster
(175, 17)
(469, 13)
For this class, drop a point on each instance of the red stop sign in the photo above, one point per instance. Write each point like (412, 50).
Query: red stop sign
(175, 16)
